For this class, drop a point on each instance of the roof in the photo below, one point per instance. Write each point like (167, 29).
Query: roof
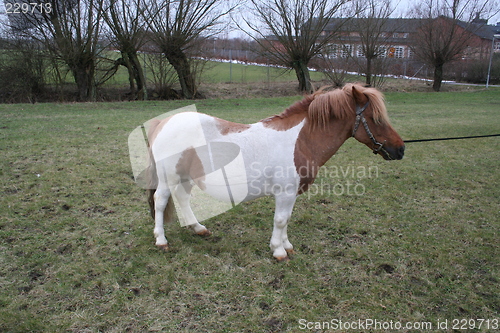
(390, 25)
(410, 25)
(481, 30)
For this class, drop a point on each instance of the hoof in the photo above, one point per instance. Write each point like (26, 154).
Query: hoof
(290, 251)
(283, 259)
(163, 247)
(204, 233)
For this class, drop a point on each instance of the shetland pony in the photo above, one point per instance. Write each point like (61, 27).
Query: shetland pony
(279, 156)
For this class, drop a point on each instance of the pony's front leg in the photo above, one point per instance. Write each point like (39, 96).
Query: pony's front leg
(286, 243)
(280, 244)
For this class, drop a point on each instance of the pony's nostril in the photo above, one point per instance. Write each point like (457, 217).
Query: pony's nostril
(401, 151)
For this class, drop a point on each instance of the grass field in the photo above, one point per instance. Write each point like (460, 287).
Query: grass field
(224, 72)
(418, 242)
(221, 72)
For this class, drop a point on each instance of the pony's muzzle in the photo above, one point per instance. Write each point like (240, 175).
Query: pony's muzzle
(401, 152)
(389, 153)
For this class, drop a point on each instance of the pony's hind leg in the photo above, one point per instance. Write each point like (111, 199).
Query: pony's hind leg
(161, 199)
(183, 195)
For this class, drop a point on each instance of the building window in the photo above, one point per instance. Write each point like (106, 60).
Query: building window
(332, 51)
(382, 51)
(399, 52)
(410, 53)
(360, 53)
(496, 47)
(346, 51)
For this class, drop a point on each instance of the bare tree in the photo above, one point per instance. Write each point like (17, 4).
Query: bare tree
(69, 30)
(292, 32)
(446, 30)
(335, 69)
(177, 26)
(372, 23)
(124, 19)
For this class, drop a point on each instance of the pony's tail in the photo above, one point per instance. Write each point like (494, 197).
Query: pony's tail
(151, 201)
(152, 181)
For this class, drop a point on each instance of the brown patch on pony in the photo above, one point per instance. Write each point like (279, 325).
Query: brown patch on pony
(291, 117)
(190, 164)
(226, 127)
(155, 127)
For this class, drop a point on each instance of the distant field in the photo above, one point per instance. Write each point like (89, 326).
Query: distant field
(225, 72)
(221, 72)
(419, 243)
(267, 77)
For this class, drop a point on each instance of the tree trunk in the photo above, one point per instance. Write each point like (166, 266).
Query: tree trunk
(180, 62)
(303, 76)
(130, 68)
(438, 77)
(139, 77)
(84, 78)
(368, 78)
(130, 60)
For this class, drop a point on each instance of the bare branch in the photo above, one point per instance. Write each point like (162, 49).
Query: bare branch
(446, 30)
(294, 31)
(176, 27)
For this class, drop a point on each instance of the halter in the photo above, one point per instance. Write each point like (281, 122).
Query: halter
(361, 117)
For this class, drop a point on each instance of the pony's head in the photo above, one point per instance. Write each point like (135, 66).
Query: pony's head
(371, 125)
(363, 112)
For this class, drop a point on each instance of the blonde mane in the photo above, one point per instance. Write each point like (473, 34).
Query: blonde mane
(340, 104)
(322, 106)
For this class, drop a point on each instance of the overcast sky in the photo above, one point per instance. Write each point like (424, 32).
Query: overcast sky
(401, 10)
(402, 7)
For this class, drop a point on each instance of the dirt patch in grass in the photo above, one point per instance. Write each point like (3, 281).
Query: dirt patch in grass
(230, 90)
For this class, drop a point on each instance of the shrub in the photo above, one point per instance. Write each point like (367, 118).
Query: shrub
(22, 71)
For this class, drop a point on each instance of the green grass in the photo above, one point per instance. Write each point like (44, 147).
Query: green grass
(77, 252)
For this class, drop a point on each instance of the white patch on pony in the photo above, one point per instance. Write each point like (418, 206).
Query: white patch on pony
(138, 145)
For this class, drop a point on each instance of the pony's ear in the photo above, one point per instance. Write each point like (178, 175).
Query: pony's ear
(359, 98)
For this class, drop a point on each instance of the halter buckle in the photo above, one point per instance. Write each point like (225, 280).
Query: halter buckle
(380, 145)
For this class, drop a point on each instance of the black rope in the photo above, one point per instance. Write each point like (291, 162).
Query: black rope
(455, 138)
